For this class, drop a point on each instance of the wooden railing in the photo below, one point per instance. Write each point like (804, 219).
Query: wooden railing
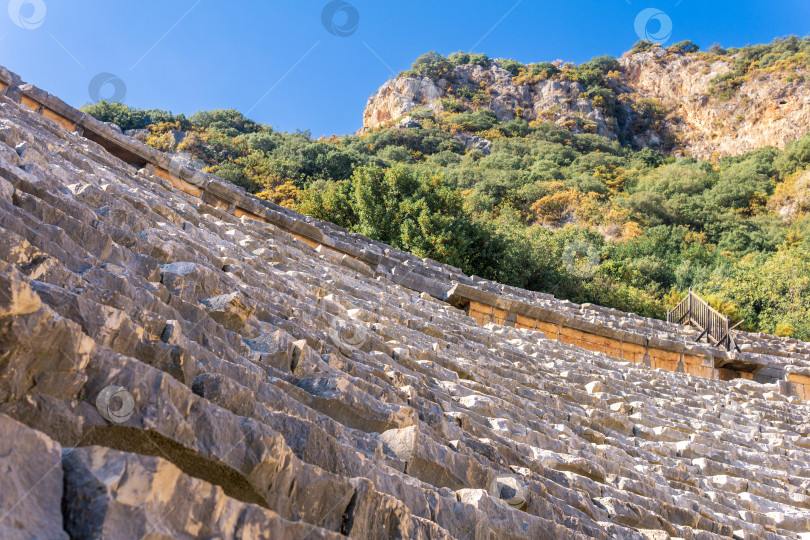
(694, 311)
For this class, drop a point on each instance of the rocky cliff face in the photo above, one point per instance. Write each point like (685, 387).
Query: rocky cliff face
(767, 110)
(770, 108)
(556, 99)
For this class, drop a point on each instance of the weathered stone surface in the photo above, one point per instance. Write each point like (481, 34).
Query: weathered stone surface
(30, 483)
(16, 296)
(39, 351)
(111, 494)
(255, 412)
(6, 190)
(276, 350)
(504, 522)
(229, 310)
(431, 462)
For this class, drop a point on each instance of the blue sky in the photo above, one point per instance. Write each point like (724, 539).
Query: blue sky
(281, 65)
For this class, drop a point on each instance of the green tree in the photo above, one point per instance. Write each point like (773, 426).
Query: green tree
(771, 292)
(127, 117)
(420, 213)
(228, 121)
(330, 201)
(796, 155)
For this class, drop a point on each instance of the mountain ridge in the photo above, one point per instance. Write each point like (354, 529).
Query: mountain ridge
(676, 100)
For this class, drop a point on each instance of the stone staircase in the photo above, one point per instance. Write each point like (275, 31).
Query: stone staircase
(186, 365)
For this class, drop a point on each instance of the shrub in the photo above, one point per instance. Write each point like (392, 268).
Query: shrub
(512, 66)
(396, 154)
(642, 45)
(475, 121)
(453, 105)
(444, 158)
(543, 70)
(650, 208)
(480, 59)
(552, 209)
(285, 194)
(422, 113)
(127, 117)
(227, 121)
(795, 156)
(592, 75)
(725, 85)
(649, 157)
(233, 173)
(459, 58)
(515, 128)
(650, 112)
(432, 65)
(685, 46)
(263, 141)
(462, 58)
(329, 201)
(737, 186)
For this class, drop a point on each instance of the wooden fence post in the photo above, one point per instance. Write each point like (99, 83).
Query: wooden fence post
(728, 333)
(689, 305)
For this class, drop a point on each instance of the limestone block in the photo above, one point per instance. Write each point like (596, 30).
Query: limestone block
(230, 310)
(31, 483)
(122, 495)
(349, 405)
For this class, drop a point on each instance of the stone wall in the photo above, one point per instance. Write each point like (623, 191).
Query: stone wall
(655, 353)
(653, 357)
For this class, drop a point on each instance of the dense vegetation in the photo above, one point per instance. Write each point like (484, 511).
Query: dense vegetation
(577, 215)
(467, 102)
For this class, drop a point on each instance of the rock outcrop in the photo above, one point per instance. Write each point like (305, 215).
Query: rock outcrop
(557, 100)
(178, 359)
(769, 109)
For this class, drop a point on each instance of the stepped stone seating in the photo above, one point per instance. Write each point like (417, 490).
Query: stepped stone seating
(175, 367)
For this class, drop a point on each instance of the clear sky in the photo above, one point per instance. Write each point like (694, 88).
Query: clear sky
(312, 64)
